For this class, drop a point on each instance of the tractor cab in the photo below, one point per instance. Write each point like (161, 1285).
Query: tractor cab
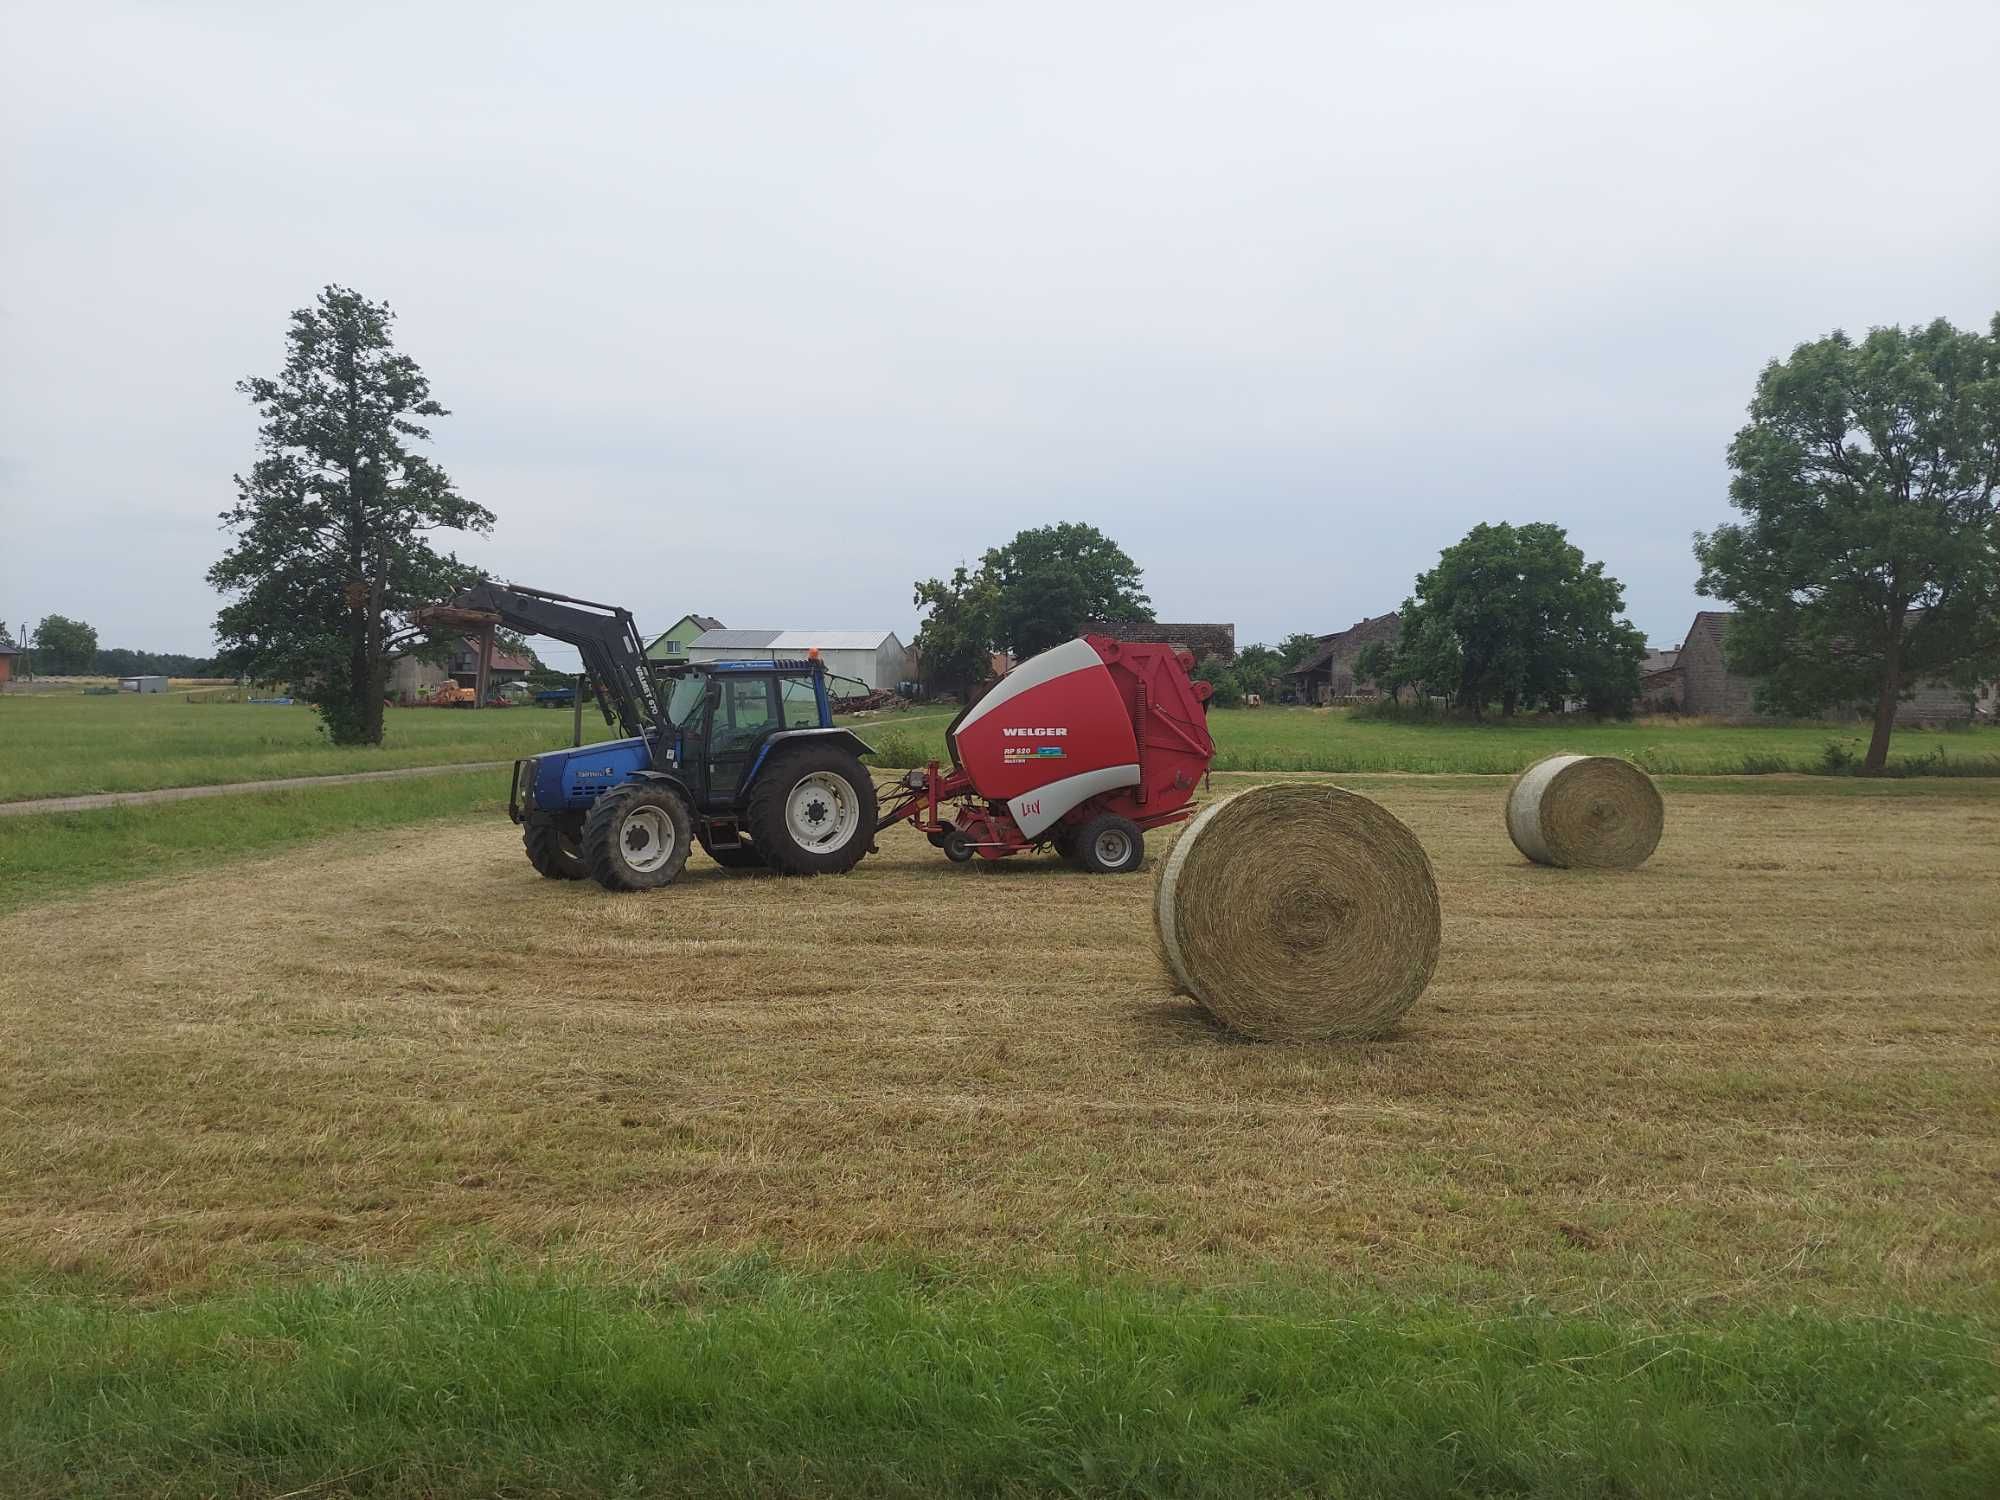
(724, 718)
(742, 758)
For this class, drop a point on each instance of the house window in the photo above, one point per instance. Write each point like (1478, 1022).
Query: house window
(673, 648)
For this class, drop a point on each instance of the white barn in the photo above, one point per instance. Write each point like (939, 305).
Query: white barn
(874, 657)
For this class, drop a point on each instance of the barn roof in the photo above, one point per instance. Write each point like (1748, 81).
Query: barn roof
(792, 640)
(1345, 643)
(728, 640)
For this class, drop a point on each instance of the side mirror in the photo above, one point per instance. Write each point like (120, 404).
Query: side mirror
(713, 694)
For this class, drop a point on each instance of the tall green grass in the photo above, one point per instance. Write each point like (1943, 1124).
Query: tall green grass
(1277, 739)
(61, 745)
(753, 1381)
(47, 856)
(66, 745)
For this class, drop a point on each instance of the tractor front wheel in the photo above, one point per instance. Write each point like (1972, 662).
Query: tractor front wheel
(812, 812)
(1109, 845)
(555, 846)
(637, 837)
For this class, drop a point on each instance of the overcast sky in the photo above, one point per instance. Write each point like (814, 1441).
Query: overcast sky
(766, 310)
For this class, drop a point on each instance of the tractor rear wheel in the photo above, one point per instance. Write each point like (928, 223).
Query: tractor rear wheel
(812, 812)
(1110, 845)
(555, 846)
(637, 837)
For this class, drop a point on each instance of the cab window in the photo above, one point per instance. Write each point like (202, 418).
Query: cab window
(801, 704)
(747, 702)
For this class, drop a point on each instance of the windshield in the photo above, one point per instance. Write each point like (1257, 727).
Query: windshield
(684, 699)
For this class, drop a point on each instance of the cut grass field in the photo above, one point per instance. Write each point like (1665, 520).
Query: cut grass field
(54, 745)
(919, 1179)
(1767, 1059)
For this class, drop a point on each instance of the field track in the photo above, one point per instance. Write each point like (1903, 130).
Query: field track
(232, 788)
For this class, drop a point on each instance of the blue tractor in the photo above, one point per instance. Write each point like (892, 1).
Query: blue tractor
(742, 758)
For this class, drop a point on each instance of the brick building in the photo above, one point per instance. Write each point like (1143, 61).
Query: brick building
(1709, 689)
(1327, 676)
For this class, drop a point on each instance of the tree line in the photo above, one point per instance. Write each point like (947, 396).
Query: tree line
(61, 647)
(1866, 560)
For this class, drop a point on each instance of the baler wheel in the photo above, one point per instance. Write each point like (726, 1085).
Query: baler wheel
(1110, 845)
(637, 837)
(957, 847)
(555, 847)
(812, 812)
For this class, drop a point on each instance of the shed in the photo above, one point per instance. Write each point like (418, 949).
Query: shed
(142, 684)
(873, 657)
(7, 655)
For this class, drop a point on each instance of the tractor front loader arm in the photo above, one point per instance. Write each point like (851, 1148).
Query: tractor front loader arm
(605, 636)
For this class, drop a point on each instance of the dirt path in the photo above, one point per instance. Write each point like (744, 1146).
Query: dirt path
(229, 789)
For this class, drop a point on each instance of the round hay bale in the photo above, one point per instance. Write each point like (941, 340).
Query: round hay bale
(1585, 811)
(1299, 913)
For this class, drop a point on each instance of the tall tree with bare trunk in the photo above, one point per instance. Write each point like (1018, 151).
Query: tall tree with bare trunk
(1868, 559)
(333, 521)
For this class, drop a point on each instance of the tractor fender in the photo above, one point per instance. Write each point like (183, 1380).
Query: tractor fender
(843, 739)
(664, 778)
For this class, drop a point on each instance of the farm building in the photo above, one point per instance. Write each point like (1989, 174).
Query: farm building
(503, 664)
(1327, 676)
(145, 683)
(7, 655)
(411, 679)
(1207, 642)
(873, 657)
(1710, 689)
(670, 646)
(1660, 681)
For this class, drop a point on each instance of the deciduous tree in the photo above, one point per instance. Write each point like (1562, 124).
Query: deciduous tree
(1051, 580)
(1035, 592)
(333, 521)
(1868, 560)
(64, 647)
(955, 641)
(1514, 616)
(1298, 648)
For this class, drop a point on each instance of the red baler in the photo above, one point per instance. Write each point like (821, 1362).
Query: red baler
(1083, 747)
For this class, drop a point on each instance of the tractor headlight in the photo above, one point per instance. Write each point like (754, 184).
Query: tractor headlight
(524, 784)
